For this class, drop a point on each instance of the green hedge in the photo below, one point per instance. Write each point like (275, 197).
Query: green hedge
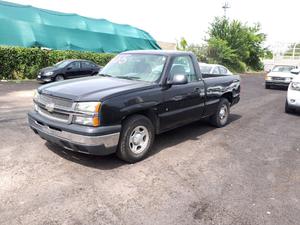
(24, 63)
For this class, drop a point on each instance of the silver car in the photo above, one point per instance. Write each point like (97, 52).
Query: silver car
(280, 75)
(212, 70)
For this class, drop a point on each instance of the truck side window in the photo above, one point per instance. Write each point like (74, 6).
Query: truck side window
(183, 65)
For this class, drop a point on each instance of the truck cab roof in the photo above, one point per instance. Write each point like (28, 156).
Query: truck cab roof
(159, 52)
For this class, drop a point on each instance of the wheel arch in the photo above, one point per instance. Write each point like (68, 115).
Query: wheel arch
(228, 96)
(149, 113)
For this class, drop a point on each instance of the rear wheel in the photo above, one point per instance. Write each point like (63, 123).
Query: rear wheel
(59, 78)
(220, 118)
(136, 139)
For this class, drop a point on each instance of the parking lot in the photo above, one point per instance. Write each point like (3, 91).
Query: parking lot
(247, 173)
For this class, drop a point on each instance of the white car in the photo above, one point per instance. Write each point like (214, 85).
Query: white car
(211, 70)
(293, 95)
(280, 75)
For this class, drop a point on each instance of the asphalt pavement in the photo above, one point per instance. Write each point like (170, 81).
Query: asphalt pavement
(247, 173)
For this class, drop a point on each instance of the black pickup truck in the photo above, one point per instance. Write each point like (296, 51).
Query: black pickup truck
(137, 95)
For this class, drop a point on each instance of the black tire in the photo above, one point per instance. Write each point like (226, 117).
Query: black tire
(267, 86)
(287, 108)
(126, 144)
(217, 119)
(59, 78)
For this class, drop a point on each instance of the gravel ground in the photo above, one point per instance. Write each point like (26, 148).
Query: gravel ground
(244, 174)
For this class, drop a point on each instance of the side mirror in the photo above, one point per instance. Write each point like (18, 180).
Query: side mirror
(69, 68)
(179, 79)
(295, 71)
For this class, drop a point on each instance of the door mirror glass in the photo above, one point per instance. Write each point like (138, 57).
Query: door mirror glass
(179, 79)
(295, 71)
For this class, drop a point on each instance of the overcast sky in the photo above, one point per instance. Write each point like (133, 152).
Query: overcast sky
(169, 20)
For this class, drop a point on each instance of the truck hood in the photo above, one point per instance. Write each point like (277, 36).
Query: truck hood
(92, 88)
(280, 74)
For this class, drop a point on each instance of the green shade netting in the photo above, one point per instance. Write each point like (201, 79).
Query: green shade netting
(28, 26)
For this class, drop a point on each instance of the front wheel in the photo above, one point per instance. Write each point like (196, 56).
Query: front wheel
(220, 118)
(136, 139)
(59, 78)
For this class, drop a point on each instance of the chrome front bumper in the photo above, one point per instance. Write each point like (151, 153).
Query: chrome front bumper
(96, 145)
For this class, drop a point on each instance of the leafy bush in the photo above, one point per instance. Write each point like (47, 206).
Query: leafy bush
(24, 63)
(200, 51)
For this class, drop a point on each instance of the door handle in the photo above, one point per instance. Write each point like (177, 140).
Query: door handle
(199, 91)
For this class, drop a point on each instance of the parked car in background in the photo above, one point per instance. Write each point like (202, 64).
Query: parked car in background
(68, 69)
(212, 70)
(293, 95)
(280, 75)
(137, 95)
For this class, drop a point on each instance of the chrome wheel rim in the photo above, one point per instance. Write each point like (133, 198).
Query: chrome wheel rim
(223, 113)
(139, 139)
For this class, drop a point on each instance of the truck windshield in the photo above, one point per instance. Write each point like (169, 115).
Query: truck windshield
(143, 67)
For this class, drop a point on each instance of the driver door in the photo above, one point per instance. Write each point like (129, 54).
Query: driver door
(182, 103)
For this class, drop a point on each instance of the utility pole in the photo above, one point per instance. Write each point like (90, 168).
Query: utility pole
(225, 7)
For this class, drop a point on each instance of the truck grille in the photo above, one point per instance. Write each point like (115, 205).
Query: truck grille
(60, 108)
(54, 115)
(59, 102)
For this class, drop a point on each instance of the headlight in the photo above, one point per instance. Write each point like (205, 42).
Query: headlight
(268, 78)
(87, 120)
(295, 86)
(88, 113)
(36, 95)
(49, 73)
(89, 107)
(36, 108)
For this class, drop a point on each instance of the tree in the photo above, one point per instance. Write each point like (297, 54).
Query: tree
(236, 45)
(182, 45)
(200, 51)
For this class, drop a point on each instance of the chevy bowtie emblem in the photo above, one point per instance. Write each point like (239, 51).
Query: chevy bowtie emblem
(50, 107)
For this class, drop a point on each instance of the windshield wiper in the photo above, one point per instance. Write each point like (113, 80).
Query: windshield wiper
(129, 77)
(104, 75)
